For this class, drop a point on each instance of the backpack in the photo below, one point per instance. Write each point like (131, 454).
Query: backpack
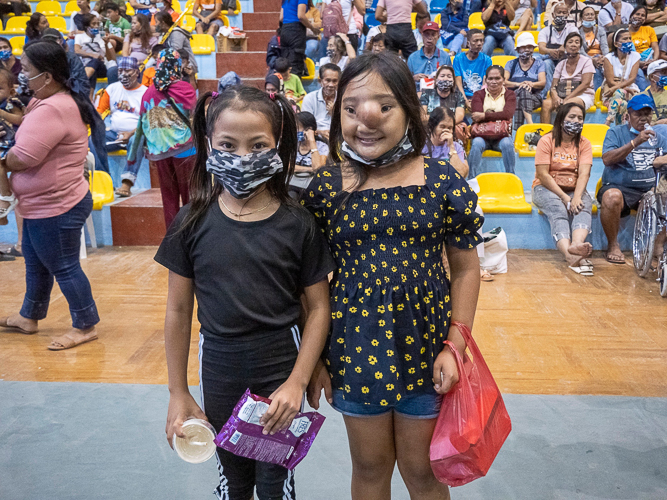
(333, 21)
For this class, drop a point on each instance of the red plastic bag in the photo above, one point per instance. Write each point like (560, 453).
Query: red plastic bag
(473, 422)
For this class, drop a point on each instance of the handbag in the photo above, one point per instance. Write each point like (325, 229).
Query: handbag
(499, 31)
(492, 131)
(473, 422)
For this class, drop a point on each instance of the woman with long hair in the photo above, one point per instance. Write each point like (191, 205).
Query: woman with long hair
(646, 43)
(440, 143)
(140, 40)
(563, 162)
(48, 179)
(35, 26)
(339, 51)
(621, 67)
(388, 212)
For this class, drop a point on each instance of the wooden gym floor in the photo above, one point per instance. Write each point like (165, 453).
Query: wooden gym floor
(542, 329)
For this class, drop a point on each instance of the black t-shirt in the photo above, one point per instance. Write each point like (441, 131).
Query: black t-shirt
(248, 276)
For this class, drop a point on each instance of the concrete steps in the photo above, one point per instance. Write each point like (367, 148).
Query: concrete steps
(244, 64)
(260, 21)
(138, 220)
(258, 40)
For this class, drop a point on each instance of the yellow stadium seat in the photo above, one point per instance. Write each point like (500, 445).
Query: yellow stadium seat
(534, 33)
(49, 8)
(202, 44)
(101, 187)
(129, 10)
(438, 19)
(188, 23)
(598, 100)
(58, 23)
(500, 192)
(501, 60)
(15, 25)
(520, 144)
(310, 66)
(492, 154)
(542, 20)
(595, 132)
(475, 21)
(120, 152)
(70, 8)
(414, 20)
(597, 187)
(237, 11)
(224, 20)
(17, 43)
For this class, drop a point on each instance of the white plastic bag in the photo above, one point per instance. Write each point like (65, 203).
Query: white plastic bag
(495, 251)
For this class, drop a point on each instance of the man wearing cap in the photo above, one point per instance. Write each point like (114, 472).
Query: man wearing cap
(629, 159)
(657, 76)
(123, 100)
(525, 75)
(425, 62)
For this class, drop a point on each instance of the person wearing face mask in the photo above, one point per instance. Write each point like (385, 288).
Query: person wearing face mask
(657, 75)
(311, 153)
(165, 125)
(76, 19)
(178, 38)
(425, 62)
(320, 102)
(629, 158)
(574, 8)
(445, 95)
(339, 51)
(526, 76)
(551, 40)
(440, 143)
(122, 100)
(563, 161)
(573, 79)
(389, 213)
(7, 58)
(140, 40)
(646, 43)
(595, 43)
(90, 47)
(163, 6)
(454, 26)
(492, 104)
(496, 16)
(621, 67)
(614, 16)
(47, 165)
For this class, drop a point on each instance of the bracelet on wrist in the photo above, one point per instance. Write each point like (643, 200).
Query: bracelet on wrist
(632, 142)
(314, 150)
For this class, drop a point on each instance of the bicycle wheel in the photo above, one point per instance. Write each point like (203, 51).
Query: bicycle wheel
(644, 236)
(662, 277)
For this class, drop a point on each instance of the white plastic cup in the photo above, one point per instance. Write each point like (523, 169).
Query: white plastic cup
(198, 445)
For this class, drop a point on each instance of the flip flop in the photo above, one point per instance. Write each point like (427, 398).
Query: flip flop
(4, 324)
(586, 262)
(14, 252)
(615, 259)
(487, 276)
(68, 342)
(582, 270)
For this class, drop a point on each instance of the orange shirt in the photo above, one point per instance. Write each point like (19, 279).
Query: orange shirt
(562, 158)
(147, 79)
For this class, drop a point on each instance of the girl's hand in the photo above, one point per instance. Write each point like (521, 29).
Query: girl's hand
(285, 403)
(445, 371)
(447, 137)
(181, 408)
(576, 205)
(319, 380)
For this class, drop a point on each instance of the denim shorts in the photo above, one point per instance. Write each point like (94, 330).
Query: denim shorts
(422, 406)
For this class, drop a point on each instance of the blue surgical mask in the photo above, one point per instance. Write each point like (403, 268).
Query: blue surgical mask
(5, 55)
(159, 5)
(588, 24)
(627, 47)
(662, 82)
(94, 31)
(300, 136)
(634, 130)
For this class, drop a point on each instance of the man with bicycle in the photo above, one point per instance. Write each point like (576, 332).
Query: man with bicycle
(629, 153)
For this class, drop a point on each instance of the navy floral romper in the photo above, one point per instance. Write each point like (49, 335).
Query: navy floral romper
(390, 300)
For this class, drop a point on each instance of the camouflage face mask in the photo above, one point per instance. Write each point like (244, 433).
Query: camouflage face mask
(242, 175)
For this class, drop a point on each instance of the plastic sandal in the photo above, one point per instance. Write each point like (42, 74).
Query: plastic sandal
(5, 211)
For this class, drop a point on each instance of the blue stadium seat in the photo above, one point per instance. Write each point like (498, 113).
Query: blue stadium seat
(437, 6)
(370, 20)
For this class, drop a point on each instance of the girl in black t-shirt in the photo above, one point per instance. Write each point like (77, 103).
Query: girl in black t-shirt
(247, 253)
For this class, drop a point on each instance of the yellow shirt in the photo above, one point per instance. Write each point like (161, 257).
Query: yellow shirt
(643, 39)
(496, 105)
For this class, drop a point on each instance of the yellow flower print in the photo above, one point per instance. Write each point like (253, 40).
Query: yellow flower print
(347, 388)
(384, 196)
(378, 375)
(404, 227)
(432, 328)
(368, 291)
(342, 359)
(394, 269)
(340, 340)
(392, 369)
(326, 174)
(375, 343)
(398, 397)
(384, 264)
(373, 252)
(409, 340)
(390, 307)
(359, 242)
(363, 256)
(378, 282)
(373, 237)
(372, 360)
(410, 387)
(423, 350)
(390, 231)
(399, 213)
(364, 313)
(341, 372)
(375, 206)
(415, 224)
(365, 390)
(411, 371)
(345, 300)
(373, 268)
(365, 227)
(389, 334)
(424, 365)
(348, 359)
(408, 357)
(339, 314)
(381, 322)
(346, 217)
(404, 244)
(395, 251)
(456, 192)
(411, 196)
(353, 310)
(400, 307)
(446, 298)
(410, 209)
(358, 369)
(420, 381)
(396, 197)
(384, 402)
(362, 213)
(390, 353)
(381, 309)
(390, 387)
(358, 349)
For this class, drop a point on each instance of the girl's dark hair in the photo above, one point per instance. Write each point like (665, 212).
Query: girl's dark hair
(437, 115)
(638, 8)
(496, 68)
(164, 17)
(278, 112)
(615, 38)
(51, 58)
(557, 131)
(86, 20)
(307, 120)
(31, 24)
(146, 32)
(574, 34)
(380, 37)
(395, 74)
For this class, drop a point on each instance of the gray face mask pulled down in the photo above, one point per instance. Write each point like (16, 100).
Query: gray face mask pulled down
(402, 149)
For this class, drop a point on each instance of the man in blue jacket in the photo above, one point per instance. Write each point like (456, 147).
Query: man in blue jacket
(454, 20)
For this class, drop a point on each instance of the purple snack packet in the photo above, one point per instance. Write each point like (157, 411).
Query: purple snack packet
(242, 434)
